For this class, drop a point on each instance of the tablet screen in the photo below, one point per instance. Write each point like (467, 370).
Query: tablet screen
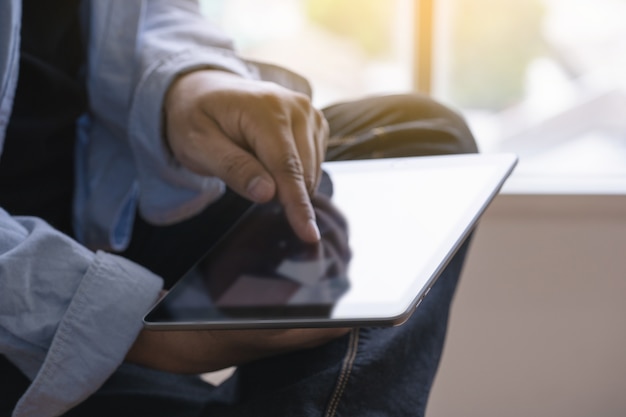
(388, 229)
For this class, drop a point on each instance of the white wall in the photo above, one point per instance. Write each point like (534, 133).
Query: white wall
(538, 327)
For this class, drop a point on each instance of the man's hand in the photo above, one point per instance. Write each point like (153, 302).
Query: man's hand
(205, 351)
(262, 140)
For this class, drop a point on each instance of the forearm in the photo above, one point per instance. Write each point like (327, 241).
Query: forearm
(198, 351)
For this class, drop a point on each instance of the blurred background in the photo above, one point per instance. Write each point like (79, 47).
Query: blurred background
(542, 78)
(537, 325)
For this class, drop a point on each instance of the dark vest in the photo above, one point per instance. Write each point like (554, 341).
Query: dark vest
(36, 167)
(37, 162)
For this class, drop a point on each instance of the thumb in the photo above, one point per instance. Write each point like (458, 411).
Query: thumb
(244, 174)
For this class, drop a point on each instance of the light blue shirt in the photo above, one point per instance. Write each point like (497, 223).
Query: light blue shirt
(69, 314)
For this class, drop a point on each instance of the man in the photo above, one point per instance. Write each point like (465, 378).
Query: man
(126, 124)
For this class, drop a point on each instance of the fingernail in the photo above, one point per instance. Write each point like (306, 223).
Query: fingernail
(313, 231)
(260, 189)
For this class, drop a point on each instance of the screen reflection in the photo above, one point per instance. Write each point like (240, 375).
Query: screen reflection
(263, 268)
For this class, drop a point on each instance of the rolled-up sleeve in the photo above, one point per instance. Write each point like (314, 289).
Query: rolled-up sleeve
(67, 315)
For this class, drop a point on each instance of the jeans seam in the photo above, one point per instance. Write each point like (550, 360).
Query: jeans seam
(344, 374)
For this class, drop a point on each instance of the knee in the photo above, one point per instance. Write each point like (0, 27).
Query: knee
(422, 110)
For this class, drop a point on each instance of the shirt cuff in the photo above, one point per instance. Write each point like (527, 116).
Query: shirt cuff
(93, 337)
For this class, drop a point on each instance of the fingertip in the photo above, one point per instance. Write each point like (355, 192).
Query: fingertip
(312, 231)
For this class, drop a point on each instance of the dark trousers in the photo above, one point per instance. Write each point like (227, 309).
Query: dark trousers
(370, 371)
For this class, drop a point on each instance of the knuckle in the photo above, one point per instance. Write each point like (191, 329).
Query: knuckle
(275, 107)
(302, 100)
(270, 98)
(305, 108)
(290, 165)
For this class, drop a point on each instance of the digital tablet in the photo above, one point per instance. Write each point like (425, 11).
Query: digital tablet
(388, 227)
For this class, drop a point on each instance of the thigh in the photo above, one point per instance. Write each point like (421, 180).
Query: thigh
(395, 126)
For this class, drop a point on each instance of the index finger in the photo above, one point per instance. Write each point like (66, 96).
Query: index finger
(294, 196)
(284, 164)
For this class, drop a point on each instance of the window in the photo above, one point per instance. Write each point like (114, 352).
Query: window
(541, 78)
(346, 48)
